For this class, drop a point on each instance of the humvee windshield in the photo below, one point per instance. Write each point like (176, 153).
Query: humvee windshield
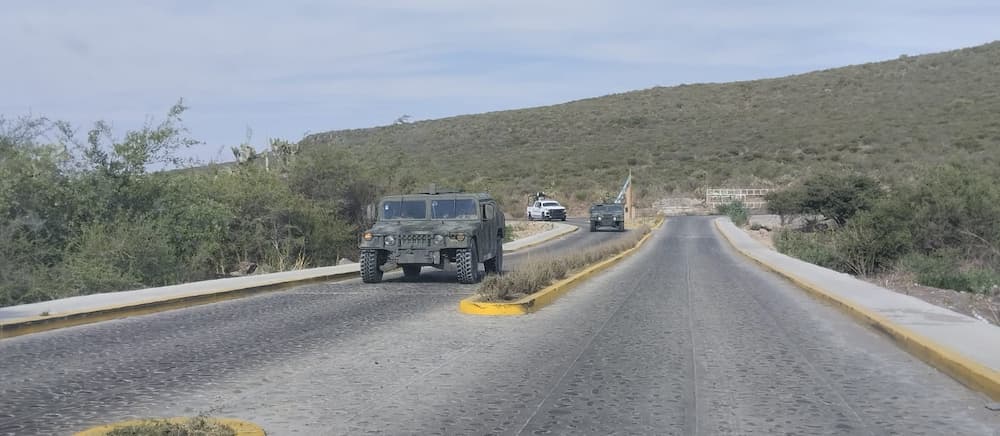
(404, 209)
(606, 208)
(461, 209)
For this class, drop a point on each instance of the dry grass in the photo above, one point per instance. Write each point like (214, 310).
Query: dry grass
(198, 426)
(535, 276)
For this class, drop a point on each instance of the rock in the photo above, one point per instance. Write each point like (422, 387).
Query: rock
(344, 261)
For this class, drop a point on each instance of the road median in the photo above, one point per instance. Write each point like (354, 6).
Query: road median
(956, 344)
(478, 305)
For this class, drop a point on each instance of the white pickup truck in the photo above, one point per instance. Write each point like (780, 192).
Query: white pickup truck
(545, 209)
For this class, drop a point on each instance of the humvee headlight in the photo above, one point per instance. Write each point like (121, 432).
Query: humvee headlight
(438, 239)
(389, 240)
(369, 236)
(600, 218)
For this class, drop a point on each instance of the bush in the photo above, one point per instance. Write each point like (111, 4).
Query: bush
(736, 212)
(944, 269)
(870, 243)
(815, 248)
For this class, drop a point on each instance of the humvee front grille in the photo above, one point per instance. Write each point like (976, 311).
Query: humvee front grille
(415, 240)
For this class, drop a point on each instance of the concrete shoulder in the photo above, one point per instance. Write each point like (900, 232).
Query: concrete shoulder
(963, 347)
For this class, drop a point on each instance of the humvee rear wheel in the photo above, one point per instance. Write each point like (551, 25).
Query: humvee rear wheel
(411, 271)
(370, 271)
(467, 265)
(495, 265)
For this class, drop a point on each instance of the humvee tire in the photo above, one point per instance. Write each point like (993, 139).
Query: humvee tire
(467, 265)
(370, 271)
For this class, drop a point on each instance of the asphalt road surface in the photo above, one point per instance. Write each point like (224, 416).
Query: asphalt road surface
(685, 337)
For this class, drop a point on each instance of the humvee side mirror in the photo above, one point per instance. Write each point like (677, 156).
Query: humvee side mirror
(488, 212)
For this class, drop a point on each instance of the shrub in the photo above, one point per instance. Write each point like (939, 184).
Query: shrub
(736, 212)
(944, 269)
(815, 248)
(870, 243)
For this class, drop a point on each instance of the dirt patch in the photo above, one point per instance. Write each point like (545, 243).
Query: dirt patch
(983, 307)
(763, 236)
(523, 229)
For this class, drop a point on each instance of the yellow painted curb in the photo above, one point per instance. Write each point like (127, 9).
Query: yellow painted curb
(242, 428)
(35, 324)
(532, 303)
(967, 371)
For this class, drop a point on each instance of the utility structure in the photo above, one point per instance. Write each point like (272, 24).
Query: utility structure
(625, 196)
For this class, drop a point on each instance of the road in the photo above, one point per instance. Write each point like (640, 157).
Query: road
(685, 337)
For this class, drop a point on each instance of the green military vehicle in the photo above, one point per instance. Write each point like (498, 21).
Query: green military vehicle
(604, 215)
(433, 228)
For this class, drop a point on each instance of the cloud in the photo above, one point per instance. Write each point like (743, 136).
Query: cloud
(310, 65)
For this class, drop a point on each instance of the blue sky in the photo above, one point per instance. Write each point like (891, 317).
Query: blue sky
(287, 68)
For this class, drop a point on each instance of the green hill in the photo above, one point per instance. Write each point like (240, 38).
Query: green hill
(892, 119)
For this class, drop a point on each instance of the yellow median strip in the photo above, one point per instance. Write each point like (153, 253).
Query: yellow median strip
(967, 371)
(531, 303)
(242, 428)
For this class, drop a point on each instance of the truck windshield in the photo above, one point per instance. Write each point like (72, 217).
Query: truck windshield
(550, 203)
(404, 209)
(461, 209)
(606, 208)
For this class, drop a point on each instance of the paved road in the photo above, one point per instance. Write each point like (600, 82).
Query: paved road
(683, 338)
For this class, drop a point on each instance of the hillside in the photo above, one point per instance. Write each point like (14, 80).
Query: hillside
(891, 119)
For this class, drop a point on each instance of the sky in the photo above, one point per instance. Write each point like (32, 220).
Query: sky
(285, 69)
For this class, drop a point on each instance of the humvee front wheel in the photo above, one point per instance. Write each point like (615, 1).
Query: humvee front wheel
(593, 227)
(467, 265)
(370, 271)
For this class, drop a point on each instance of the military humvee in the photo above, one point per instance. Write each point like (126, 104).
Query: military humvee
(607, 215)
(432, 228)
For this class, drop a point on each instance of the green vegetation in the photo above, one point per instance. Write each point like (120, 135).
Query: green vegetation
(736, 211)
(198, 426)
(79, 217)
(944, 227)
(537, 275)
(896, 119)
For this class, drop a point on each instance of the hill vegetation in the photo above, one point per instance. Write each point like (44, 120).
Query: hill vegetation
(79, 216)
(894, 120)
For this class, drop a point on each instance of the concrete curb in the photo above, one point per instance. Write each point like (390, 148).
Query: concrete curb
(967, 371)
(560, 230)
(534, 302)
(35, 324)
(242, 428)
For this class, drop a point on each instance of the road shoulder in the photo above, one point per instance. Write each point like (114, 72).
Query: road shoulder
(954, 343)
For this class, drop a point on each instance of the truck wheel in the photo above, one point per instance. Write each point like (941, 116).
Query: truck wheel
(495, 265)
(564, 219)
(467, 265)
(411, 272)
(370, 271)
(529, 217)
